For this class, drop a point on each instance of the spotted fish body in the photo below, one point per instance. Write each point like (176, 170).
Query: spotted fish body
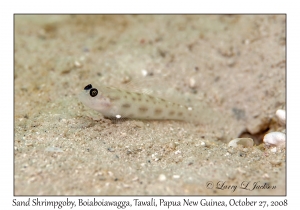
(115, 103)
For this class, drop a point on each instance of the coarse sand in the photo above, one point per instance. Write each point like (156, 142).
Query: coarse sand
(230, 67)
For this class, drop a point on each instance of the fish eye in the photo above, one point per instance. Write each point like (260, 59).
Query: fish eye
(88, 87)
(93, 92)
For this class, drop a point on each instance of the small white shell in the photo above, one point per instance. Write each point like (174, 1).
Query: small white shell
(144, 72)
(246, 142)
(162, 177)
(192, 83)
(280, 113)
(275, 138)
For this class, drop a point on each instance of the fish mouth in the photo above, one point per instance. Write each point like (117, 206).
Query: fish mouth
(83, 96)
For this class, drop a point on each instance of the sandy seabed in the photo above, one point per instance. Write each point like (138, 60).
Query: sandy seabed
(234, 64)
